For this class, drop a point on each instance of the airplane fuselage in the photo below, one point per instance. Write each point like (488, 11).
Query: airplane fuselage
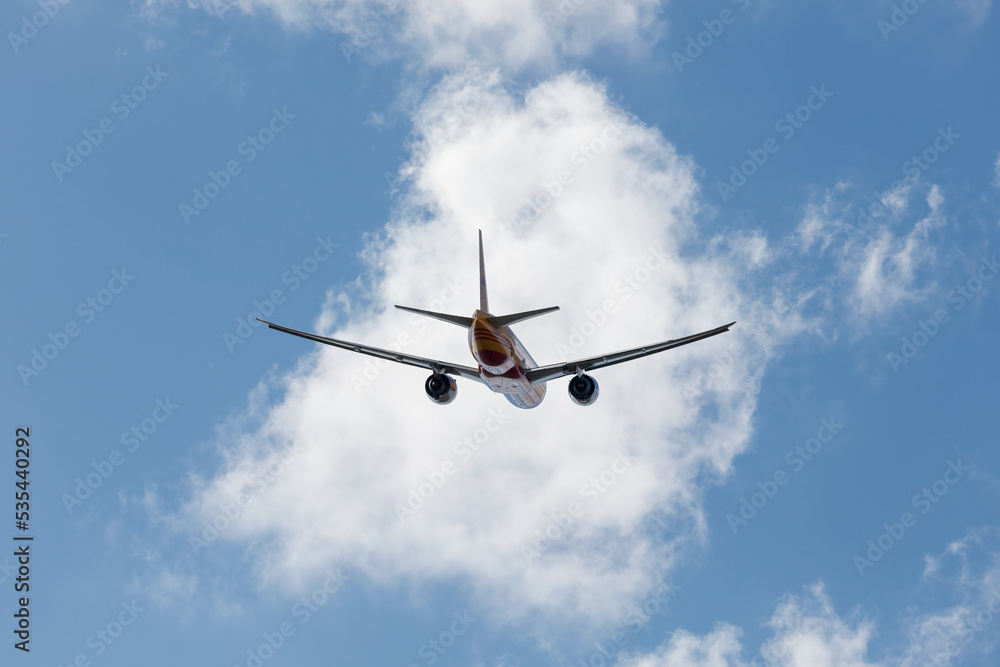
(503, 361)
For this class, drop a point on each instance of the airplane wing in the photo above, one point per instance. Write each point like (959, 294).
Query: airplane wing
(399, 357)
(553, 371)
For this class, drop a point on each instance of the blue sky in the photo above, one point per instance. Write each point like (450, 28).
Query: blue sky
(334, 176)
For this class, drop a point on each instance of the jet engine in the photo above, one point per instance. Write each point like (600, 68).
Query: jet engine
(583, 390)
(441, 388)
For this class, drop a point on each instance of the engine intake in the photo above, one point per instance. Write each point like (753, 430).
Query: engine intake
(583, 390)
(441, 388)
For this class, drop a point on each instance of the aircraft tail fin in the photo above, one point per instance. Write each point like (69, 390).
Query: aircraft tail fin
(484, 302)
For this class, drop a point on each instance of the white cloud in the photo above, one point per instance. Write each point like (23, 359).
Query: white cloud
(888, 265)
(720, 648)
(996, 172)
(816, 226)
(624, 215)
(808, 631)
(968, 626)
(878, 266)
(449, 33)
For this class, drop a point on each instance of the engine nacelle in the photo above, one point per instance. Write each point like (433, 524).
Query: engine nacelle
(441, 388)
(583, 390)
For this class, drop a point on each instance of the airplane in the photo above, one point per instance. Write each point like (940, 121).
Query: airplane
(503, 364)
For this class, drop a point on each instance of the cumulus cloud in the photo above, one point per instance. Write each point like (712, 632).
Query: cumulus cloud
(581, 207)
(448, 33)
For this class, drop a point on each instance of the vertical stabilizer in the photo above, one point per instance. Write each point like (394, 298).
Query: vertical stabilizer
(484, 304)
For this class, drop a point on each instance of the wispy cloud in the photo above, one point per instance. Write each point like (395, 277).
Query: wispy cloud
(882, 261)
(515, 34)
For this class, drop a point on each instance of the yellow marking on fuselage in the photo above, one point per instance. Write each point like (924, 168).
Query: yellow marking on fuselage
(494, 351)
(511, 381)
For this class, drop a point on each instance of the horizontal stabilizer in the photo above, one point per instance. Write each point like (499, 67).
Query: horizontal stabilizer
(506, 320)
(454, 319)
